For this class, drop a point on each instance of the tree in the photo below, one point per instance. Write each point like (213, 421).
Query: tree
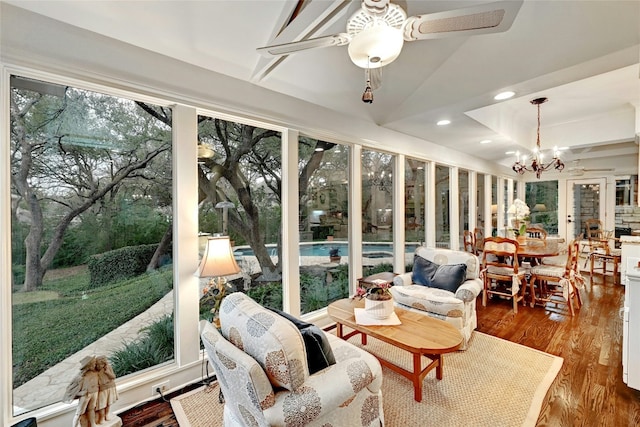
(68, 153)
(246, 169)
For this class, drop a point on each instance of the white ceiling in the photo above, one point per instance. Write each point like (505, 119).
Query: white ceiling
(582, 55)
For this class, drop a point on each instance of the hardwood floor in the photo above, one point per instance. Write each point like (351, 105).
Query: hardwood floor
(588, 390)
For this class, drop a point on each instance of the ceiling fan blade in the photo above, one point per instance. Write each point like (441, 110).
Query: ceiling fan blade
(487, 18)
(339, 39)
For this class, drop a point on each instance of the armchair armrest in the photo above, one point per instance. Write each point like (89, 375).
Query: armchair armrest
(332, 387)
(469, 290)
(403, 279)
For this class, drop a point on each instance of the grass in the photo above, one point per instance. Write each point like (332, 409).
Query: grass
(46, 332)
(36, 296)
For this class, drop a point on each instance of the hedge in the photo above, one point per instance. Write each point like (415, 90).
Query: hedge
(119, 264)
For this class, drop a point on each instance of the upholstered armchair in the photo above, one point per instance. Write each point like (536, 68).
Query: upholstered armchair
(443, 284)
(260, 360)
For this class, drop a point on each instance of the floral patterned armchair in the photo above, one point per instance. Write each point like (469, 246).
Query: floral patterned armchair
(454, 303)
(261, 364)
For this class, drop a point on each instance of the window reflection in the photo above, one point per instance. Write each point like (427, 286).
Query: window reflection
(443, 238)
(91, 235)
(377, 211)
(240, 181)
(414, 208)
(324, 222)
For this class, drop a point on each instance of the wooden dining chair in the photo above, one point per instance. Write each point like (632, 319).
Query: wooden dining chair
(558, 284)
(603, 252)
(500, 270)
(468, 242)
(478, 238)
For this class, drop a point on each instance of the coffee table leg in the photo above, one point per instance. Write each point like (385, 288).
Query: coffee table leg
(439, 367)
(339, 330)
(417, 380)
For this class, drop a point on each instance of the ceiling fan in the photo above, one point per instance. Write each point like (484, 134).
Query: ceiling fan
(377, 31)
(577, 170)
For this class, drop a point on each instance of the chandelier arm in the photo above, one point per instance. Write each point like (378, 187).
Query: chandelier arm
(537, 166)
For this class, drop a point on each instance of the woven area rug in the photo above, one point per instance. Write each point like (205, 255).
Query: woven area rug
(493, 383)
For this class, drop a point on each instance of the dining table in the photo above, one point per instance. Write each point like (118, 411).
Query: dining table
(538, 248)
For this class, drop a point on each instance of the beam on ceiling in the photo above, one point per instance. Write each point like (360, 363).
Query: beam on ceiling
(310, 21)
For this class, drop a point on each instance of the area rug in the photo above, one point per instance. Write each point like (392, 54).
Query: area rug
(493, 383)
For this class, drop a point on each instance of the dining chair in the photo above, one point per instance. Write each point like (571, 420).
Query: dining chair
(468, 242)
(593, 234)
(558, 284)
(500, 270)
(478, 239)
(603, 252)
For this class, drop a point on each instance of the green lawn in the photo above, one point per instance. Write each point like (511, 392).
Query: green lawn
(46, 331)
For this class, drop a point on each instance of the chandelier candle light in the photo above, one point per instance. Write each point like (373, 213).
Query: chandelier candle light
(537, 163)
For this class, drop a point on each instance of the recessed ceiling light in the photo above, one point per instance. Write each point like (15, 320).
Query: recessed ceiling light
(504, 95)
(443, 122)
(485, 141)
(563, 148)
(509, 152)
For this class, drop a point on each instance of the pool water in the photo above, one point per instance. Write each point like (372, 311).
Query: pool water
(376, 250)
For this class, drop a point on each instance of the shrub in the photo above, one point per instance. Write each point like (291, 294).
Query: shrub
(267, 295)
(119, 264)
(155, 346)
(379, 268)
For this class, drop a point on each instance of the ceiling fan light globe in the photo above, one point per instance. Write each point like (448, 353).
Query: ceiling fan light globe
(378, 41)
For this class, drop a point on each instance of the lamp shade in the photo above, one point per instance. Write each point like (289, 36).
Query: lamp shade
(217, 259)
(375, 46)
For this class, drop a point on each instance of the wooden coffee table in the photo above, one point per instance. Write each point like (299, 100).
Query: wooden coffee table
(418, 334)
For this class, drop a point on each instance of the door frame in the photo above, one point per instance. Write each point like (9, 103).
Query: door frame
(570, 233)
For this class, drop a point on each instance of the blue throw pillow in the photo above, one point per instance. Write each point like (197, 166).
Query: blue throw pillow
(319, 352)
(423, 270)
(449, 277)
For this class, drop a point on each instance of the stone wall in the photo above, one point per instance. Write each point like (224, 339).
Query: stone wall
(628, 217)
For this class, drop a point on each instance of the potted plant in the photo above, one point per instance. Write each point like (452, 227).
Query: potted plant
(334, 254)
(519, 213)
(378, 301)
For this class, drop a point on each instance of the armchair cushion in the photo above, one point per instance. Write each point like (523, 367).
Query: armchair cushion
(241, 378)
(319, 352)
(273, 341)
(433, 300)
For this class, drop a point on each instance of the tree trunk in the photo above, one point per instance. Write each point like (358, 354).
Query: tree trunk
(161, 249)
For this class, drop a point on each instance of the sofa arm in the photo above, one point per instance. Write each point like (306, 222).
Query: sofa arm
(404, 279)
(469, 290)
(332, 387)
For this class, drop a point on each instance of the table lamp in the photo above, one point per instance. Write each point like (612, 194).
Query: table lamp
(217, 262)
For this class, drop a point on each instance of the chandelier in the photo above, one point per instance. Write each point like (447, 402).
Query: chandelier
(537, 163)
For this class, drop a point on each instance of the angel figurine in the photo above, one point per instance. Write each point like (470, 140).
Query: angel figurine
(107, 394)
(85, 387)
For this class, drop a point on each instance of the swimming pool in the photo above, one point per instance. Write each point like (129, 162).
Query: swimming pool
(323, 248)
